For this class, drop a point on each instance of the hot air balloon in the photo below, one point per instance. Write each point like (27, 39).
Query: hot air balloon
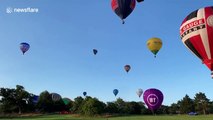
(115, 92)
(24, 47)
(139, 92)
(35, 99)
(84, 93)
(140, 1)
(95, 51)
(66, 101)
(153, 98)
(154, 45)
(196, 32)
(127, 68)
(123, 8)
(55, 97)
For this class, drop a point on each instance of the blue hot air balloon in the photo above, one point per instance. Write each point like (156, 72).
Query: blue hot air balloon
(115, 92)
(84, 93)
(24, 47)
(95, 51)
(35, 99)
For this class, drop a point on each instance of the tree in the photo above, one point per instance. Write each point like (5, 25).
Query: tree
(201, 102)
(21, 98)
(92, 106)
(58, 106)
(111, 107)
(210, 107)
(174, 108)
(134, 108)
(186, 105)
(45, 103)
(163, 110)
(8, 100)
(144, 110)
(121, 105)
(77, 104)
(14, 100)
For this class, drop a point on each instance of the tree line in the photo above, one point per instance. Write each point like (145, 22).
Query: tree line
(18, 100)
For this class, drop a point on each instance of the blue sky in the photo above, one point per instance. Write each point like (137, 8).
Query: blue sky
(64, 32)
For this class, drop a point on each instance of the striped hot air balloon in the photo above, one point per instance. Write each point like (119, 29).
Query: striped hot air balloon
(123, 8)
(196, 32)
(24, 47)
(55, 97)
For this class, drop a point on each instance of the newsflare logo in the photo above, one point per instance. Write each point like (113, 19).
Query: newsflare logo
(10, 10)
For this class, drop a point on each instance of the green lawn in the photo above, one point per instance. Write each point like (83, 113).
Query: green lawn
(70, 117)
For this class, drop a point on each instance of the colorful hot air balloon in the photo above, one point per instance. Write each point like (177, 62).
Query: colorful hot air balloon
(140, 1)
(84, 93)
(153, 98)
(24, 47)
(127, 68)
(196, 32)
(115, 92)
(123, 8)
(139, 92)
(55, 97)
(95, 51)
(154, 45)
(66, 101)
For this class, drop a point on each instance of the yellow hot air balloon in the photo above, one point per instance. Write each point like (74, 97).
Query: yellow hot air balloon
(154, 45)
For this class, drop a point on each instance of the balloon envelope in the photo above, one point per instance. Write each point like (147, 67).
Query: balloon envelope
(127, 68)
(66, 101)
(139, 92)
(196, 32)
(154, 45)
(115, 92)
(24, 47)
(95, 51)
(123, 8)
(84, 93)
(153, 98)
(35, 99)
(140, 1)
(55, 97)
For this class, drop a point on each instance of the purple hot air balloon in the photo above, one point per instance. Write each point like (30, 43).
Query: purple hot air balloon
(24, 47)
(153, 98)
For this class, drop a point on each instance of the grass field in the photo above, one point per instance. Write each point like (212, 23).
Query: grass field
(70, 117)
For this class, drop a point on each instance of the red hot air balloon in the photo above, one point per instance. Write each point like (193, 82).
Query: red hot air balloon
(123, 8)
(196, 32)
